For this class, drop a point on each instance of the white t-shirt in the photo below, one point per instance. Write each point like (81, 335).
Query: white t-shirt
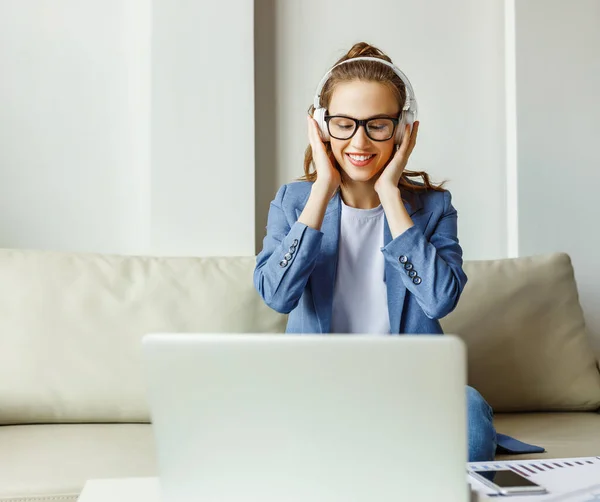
(360, 294)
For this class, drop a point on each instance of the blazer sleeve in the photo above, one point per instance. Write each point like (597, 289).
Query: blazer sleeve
(287, 259)
(439, 278)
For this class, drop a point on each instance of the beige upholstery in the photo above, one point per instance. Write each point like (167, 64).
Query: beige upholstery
(56, 460)
(574, 434)
(71, 324)
(524, 327)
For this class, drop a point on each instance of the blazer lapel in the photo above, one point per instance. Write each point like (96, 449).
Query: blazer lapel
(322, 279)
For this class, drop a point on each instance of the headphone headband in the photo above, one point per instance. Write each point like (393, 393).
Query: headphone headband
(409, 104)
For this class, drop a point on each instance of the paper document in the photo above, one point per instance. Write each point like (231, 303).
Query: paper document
(565, 479)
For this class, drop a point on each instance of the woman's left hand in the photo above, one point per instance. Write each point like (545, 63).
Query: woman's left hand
(390, 176)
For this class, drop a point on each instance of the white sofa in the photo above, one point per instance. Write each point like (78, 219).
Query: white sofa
(72, 396)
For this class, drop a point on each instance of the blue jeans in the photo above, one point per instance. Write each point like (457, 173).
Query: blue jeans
(481, 432)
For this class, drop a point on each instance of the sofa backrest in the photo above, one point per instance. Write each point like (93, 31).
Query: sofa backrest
(526, 336)
(71, 326)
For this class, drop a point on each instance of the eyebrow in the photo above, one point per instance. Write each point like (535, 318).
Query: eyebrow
(379, 116)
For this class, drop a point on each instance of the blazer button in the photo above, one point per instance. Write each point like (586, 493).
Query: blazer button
(408, 266)
(417, 280)
(412, 273)
(295, 242)
(288, 256)
(283, 263)
(292, 249)
(403, 259)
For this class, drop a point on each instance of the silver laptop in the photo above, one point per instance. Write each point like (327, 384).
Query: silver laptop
(308, 418)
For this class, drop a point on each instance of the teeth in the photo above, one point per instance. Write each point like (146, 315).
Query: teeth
(360, 157)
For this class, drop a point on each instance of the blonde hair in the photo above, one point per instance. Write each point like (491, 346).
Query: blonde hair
(365, 71)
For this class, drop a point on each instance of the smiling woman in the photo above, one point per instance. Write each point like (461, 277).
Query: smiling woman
(362, 152)
(380, 92)
(357, 247)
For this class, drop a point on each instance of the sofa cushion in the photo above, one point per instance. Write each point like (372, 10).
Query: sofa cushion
(71, 326)
(52, 462)
(574, 434)
(526, 336)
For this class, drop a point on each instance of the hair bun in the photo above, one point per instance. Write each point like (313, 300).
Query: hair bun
(363, 49)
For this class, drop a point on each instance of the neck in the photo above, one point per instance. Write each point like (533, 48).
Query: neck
(359, 194)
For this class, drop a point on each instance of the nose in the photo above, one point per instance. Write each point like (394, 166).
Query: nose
(360, 138)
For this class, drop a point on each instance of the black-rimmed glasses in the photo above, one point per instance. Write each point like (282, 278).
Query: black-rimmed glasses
(377, 129)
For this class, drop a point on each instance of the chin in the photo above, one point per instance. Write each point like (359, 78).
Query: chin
(356, 174)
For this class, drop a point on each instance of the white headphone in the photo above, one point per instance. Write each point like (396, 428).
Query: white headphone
(407, 116)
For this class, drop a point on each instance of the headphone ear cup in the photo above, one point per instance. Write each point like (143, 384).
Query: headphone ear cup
(319, 116)
(405, 118)
(400, 130)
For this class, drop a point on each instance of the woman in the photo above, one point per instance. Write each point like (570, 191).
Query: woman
(363, 245)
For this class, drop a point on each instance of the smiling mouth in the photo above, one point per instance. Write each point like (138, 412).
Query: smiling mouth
(360, 160)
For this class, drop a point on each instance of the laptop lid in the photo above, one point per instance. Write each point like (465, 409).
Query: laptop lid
(297, 418)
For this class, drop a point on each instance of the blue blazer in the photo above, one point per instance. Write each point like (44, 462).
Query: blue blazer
(295, 271)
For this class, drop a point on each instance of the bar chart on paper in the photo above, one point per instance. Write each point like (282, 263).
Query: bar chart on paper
(566, 479)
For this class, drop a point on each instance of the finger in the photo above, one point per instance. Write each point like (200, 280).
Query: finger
(410, 138)
(415, 130)
(405, 139)
(413, 136)
(316, 142)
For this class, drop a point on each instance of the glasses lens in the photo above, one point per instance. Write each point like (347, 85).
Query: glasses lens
(341, 127)
(380, 129)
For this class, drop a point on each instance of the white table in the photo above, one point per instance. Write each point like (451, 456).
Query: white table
(133, 490)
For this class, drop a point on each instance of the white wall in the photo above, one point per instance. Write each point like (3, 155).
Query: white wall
(66, 127)
(115, 132)
(558, 82)
(203, 128)
(114, 126)
(453, 53)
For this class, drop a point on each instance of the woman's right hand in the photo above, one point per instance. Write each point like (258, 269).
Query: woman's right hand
(328, 177)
